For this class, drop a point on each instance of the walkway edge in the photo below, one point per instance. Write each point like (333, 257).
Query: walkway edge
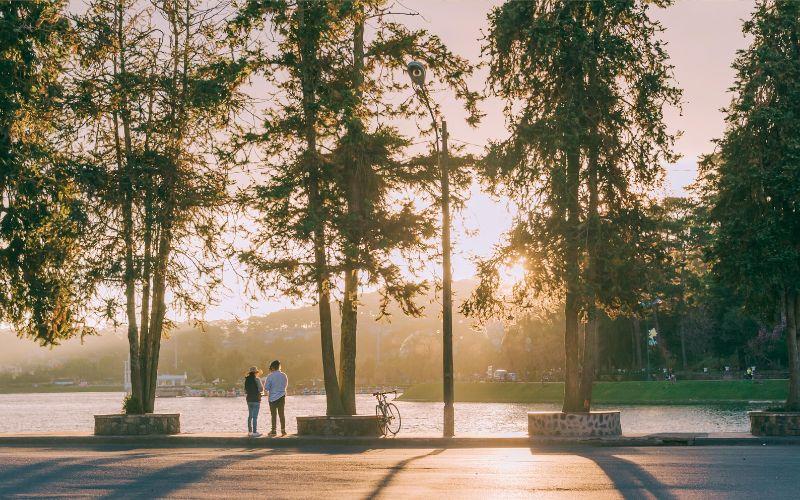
(211, 441)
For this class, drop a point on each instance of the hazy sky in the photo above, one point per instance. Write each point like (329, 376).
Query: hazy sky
(702, 37)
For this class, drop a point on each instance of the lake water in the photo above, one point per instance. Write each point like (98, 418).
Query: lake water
(34, 413)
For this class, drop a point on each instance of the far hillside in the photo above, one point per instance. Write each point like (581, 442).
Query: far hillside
(401, 350)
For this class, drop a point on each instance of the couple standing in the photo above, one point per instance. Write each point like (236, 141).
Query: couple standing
(275, 388)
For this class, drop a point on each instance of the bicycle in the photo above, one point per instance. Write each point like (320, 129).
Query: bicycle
(389, 415)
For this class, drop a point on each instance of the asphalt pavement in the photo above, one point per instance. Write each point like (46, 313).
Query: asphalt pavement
(350, 472)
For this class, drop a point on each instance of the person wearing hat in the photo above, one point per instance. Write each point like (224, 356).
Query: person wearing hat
(253, 389)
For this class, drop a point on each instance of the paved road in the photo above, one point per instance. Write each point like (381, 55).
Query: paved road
(663, 472)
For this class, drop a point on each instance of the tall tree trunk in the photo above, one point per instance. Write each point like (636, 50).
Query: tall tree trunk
(349, 326)
(130, 307)
(158, 308)
(572, 368)
(145, 307)
(589, 359)
(333, 399)
(792, 302)
(590, 341)
(309, 48)
(347, 347)
(157, 317)
(124, 156)
(572, 395)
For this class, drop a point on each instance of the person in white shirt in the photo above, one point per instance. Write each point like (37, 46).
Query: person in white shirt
(275, 387)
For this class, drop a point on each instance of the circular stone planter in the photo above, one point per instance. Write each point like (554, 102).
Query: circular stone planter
(560, 424)
(774, 423)
(149, 424)
(349, 425)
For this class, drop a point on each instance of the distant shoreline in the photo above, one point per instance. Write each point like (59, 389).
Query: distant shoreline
(691, 392)
(54, 389)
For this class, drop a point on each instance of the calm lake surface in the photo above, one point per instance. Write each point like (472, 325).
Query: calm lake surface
(33, 413)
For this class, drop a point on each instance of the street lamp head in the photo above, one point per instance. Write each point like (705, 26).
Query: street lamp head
(416, 70)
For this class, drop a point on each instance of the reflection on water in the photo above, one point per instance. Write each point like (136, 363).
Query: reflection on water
(74, 412)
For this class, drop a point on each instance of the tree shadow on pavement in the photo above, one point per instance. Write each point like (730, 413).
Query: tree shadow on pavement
(162, 482)
(29, 478)
(165, 481)
(630, 479)
(54, 475)
(396, 469)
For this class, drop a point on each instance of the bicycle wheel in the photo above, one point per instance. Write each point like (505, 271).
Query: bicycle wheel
(382, 420)
(393, 421)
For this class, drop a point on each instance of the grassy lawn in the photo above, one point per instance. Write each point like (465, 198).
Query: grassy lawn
(686, 392)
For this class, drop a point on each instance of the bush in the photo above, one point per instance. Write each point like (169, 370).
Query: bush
(131, 405)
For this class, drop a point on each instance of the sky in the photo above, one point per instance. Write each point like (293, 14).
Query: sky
(702, 39)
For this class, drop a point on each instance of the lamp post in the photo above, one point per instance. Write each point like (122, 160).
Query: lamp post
(416, 70)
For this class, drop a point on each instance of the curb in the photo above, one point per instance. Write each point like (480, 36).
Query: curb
(190, 441)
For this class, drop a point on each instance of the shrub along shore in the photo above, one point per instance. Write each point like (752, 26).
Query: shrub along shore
(627, 393)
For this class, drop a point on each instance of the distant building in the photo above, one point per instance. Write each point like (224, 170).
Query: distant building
(126, 376)
(167, 380)
(170, 386)
(164, 380)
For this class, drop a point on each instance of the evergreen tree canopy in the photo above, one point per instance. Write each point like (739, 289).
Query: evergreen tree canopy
(585, 85)
(336, 202)
(750, 184)
(152, 88)
(41, 214)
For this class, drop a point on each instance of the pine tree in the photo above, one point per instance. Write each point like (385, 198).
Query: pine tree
(382, 221)
(751, 184)
(335, 203)
(585, 85)
(147, 106)
(42, 217)
(290, 250)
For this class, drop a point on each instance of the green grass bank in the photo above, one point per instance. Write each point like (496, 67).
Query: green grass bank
(627, 393)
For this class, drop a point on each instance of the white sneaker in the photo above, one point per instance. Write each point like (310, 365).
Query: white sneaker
(249, 434)
(256, 434)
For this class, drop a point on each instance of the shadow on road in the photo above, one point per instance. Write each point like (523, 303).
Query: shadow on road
(101, 474)
(162, 482)
(396, 469)
(29, 478)
(629, 478)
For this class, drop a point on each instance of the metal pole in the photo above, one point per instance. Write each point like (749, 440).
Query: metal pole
(447, 292)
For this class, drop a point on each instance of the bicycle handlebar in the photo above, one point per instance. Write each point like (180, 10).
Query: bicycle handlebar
(384, 393)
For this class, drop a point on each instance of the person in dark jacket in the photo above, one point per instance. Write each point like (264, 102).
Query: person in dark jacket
(253, 389)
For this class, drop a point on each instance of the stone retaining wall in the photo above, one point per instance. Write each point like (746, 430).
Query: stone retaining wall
(773, 423)
(137, 425)
(353, 425)
(559, 424)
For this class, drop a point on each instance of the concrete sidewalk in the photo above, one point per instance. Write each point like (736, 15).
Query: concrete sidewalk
(236, 440)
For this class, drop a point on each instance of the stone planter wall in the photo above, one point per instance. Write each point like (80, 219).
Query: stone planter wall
(773, 423)
(559, 424)
(354, 425)
(137, 425)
